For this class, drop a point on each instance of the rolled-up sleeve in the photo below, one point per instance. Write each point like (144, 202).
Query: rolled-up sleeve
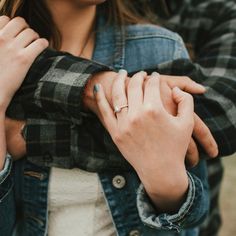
(191, 213)
(7, 199)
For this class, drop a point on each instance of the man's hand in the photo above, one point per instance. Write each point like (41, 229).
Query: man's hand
(201, 132)
(16, 145)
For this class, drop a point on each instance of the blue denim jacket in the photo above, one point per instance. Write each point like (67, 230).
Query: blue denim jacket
(24, 186)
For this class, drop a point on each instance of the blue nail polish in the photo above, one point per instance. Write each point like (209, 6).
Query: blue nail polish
(96, 88)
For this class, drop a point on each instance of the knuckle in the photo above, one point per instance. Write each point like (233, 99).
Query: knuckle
(2, 39)
(151, 111)
(134, 120)
(31, 32)
(187, 79)
(21, 58)
(125, 131)
(20, 20)
(5, 18)
(117, 138)
(42, 43)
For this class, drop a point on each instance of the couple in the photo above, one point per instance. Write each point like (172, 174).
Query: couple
(149, 112)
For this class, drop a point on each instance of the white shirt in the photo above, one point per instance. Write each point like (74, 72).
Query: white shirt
(77, 205)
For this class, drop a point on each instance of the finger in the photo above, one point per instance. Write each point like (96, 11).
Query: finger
(4, 20)
(119, 98)
(184, 83)
(184, 102)
(26, 37)
(192, 155)
(166, 97)
(152, 91)
(14, 27)
(35, 48)
(203, 135)
(135, 91)
(106, 113)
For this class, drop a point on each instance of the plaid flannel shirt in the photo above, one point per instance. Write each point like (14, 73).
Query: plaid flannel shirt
(60, 133)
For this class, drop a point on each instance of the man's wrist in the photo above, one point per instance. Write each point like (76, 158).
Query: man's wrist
(106, 80)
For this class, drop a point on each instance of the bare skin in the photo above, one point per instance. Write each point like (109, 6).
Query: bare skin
(19, 46)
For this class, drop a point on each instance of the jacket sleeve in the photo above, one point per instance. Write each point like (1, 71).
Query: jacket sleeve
(7, 201)
(192, 212)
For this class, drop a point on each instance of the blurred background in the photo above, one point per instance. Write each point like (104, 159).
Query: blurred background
(228, 197)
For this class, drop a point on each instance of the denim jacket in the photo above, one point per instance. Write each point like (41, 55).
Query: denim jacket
(24, 185)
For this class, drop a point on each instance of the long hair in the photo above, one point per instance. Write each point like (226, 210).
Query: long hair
(38, 16)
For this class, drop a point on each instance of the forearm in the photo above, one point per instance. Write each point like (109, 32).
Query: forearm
(55, 84)
(212, 39)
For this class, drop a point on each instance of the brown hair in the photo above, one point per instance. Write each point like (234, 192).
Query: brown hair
(38, 16)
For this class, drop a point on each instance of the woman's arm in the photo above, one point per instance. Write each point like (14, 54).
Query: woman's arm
(149, 137)
(19, 46)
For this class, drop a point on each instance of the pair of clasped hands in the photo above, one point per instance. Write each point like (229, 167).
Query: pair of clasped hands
(153, 131)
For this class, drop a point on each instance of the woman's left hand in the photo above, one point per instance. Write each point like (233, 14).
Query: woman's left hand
(153, 141)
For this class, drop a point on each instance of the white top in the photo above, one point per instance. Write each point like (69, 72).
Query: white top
(77, 205)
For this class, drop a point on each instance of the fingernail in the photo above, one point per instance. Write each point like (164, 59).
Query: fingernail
(155, 73)
(96, 88)
(215, 152)
(122, 71)
(200, 86)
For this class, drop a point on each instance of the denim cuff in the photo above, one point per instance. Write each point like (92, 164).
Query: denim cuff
(5, 181)
(185, 216)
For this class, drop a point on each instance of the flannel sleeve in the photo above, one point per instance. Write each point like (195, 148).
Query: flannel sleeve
(54, 86)
(210, 28)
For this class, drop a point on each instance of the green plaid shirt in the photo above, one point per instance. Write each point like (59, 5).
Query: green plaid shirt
(59, 133)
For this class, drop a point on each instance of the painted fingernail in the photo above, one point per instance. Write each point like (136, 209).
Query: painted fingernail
(122, 71)
(96, 88)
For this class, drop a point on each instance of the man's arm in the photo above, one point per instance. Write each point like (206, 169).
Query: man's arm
(210, 28)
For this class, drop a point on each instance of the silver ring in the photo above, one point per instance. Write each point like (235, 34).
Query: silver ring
(118, 109)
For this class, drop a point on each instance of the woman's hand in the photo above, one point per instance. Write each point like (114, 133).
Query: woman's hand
(201, 132)
(153, 141)
(19, 46)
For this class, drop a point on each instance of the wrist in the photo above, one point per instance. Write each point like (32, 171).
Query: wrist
(106, 80)
(167, 190)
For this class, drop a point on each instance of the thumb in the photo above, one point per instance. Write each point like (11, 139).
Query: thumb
(185, 107)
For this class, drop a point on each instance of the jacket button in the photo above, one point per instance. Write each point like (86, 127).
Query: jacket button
(47, 157)
(134, 233)
(118, 181)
